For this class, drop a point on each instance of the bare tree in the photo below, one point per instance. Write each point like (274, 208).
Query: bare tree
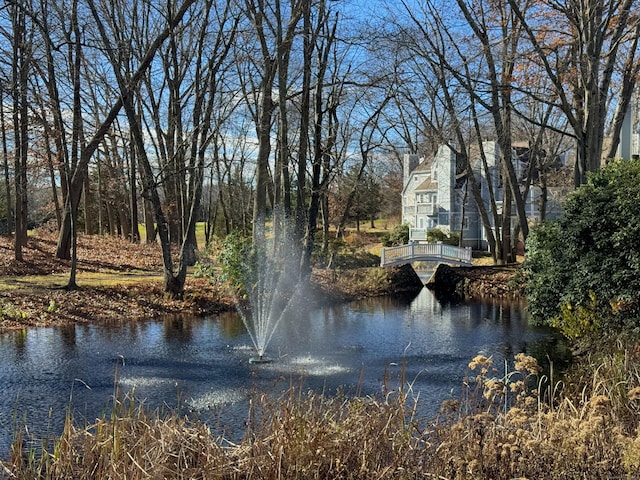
(207, 65)
(77, 176)
(544, 128)
(322, 102)
(366, 144)
(450, 76)
(477, 54)
(579, 45)
(232, 157)
(5, 164)
(20, 68)
(500, 65)
(51, 73)
(274, 24)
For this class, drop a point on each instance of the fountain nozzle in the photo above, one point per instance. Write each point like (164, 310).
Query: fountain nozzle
(260, 359)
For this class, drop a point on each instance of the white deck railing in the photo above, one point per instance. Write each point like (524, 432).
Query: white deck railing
(416, 252)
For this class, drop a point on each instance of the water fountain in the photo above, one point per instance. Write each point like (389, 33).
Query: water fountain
(271, 286)
(330, 349)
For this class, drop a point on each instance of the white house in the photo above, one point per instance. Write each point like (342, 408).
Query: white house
(435, 193)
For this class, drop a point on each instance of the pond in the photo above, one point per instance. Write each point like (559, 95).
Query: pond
(202, 364)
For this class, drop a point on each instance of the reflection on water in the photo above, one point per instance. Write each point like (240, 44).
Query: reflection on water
(203, 363)
(178, 328)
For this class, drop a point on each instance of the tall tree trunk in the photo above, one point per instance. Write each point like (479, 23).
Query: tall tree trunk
(264, 152)
(5, 162)
(506, 227)
(221, 200)
(77, 141)
(52, 178)
(272, 59)
(133, 197)
(149, 224)
(50, 80)
(318, 181)
(90, 227)
(305, 120)
(20, 73)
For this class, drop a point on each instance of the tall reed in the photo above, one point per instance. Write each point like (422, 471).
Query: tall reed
(504, 426)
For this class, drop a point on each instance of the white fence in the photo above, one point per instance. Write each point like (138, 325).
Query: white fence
(416, 252)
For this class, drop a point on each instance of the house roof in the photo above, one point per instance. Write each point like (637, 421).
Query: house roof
(424, 166)
(428, 184)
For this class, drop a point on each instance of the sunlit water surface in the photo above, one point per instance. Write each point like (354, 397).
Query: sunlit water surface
(202, 364)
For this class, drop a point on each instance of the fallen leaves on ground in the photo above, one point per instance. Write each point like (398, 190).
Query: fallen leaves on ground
(96, 253)
(120, 298)
(490, 281)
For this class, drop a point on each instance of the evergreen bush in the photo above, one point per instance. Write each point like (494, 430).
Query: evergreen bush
(398, 236)
(234, 257)
(436, 235)
(589, 259)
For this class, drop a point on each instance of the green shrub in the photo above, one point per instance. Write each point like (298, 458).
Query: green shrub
(234, 258)
(398, 236)
(205, 266)
(436, 235)
(579, 321)
(544, 272)
(591, 250)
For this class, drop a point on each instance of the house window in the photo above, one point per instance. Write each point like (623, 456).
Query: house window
(443, 219)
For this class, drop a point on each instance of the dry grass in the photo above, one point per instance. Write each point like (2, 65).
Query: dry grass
(505, 426)
(540, 433)
(298, 436)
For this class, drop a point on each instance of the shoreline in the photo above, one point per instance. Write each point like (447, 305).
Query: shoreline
(494, 281)
(122, 302)
(120, 281)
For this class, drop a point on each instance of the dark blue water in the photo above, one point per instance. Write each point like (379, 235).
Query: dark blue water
(202, 364)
